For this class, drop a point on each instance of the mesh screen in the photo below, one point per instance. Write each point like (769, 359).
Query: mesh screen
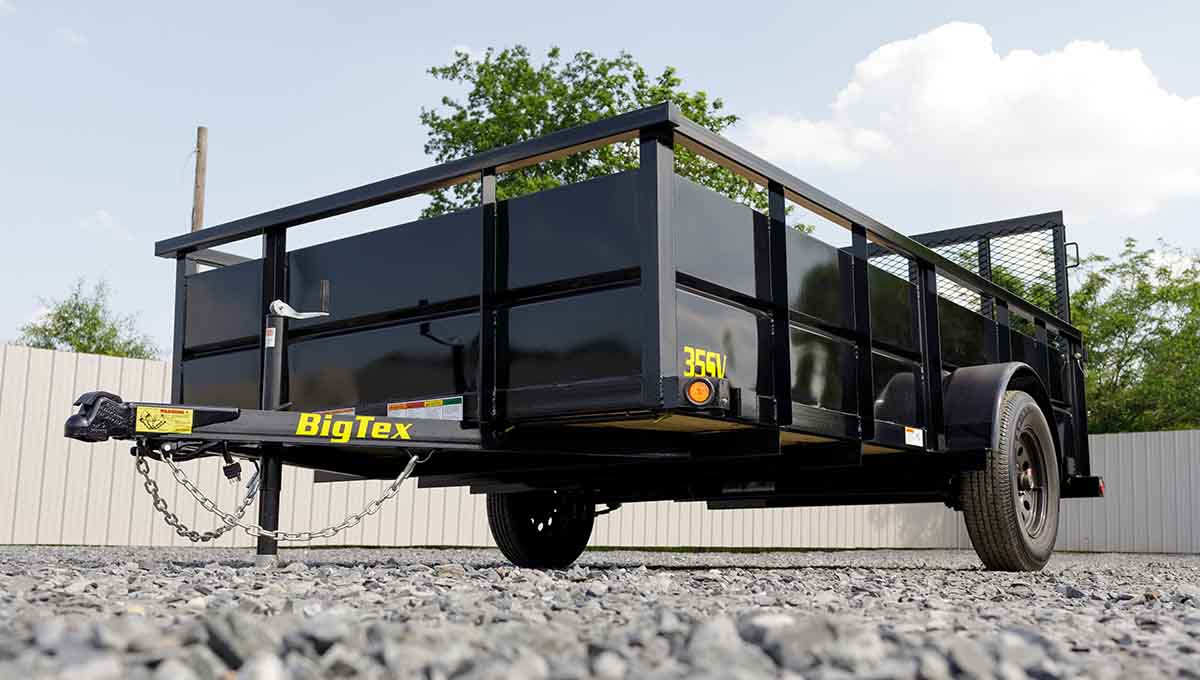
(1021, 262)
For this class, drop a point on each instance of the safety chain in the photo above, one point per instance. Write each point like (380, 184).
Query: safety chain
(173, 521)
(231, 520)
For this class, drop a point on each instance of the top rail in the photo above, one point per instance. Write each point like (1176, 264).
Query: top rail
(624, 127)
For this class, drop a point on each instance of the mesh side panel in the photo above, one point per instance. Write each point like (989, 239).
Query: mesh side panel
(1021, 259)
(1024, 264)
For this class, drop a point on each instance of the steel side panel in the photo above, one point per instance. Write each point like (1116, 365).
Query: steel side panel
(964, 335)
(815, 278)
(715, 237)
(581, 337)
(224, 304)
(411, 361)
(229, 379)
(430, 261)
(893, 319)
(572, 231)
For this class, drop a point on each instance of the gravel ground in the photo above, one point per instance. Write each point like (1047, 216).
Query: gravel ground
(196, 613)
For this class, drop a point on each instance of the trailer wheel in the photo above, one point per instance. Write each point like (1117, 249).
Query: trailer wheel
(542, 529)
(1011, 506)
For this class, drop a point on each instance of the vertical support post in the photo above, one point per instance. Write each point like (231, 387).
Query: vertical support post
(1043, 351)
(1003, 332)
(656, 196)
(931, 356)
(182, 267)
(274, 386)
(1062, 292)
(782, 341)
(984, 248)
(862, 328)
(986, 302)
(1083, 458)
(487, 305)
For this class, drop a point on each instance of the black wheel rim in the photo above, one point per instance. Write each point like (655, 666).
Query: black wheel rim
(548, 516)
(1029, 460)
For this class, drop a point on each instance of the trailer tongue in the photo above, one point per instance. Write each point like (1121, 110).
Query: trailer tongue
(632, 337)
(103, 416)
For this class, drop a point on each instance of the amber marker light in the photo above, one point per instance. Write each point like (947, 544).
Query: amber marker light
(699, 392)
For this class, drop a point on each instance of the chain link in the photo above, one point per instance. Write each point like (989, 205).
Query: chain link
(173, 521)
(231, 520)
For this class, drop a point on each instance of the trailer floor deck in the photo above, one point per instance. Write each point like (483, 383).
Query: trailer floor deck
(118, 612)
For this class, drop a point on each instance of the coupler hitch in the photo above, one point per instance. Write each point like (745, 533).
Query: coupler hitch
(102, 416)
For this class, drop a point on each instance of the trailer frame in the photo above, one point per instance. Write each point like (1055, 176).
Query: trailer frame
(960, 431)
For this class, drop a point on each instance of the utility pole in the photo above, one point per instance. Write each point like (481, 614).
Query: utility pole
(201, 173)
(189, 266)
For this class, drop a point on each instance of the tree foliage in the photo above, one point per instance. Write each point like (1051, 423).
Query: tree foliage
(1140, 317)
(85, 322)
(511, 99)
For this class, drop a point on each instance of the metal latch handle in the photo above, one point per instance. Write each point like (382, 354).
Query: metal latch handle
(283, 309)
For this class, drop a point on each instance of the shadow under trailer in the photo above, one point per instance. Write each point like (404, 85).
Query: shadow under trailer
(633, 337)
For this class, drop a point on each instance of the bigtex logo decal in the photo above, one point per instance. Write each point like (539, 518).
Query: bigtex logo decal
(341, 430)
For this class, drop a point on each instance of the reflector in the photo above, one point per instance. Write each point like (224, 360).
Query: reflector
(699, 392)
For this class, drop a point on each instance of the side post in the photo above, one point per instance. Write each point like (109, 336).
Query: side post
(1062, 291)
(183, 268)
(931, 356)
(656, 196)
(1003, 332)
(781, 339)
(489, 239)
(862, 329)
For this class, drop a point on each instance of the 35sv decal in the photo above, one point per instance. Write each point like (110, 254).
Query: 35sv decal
(702, 363)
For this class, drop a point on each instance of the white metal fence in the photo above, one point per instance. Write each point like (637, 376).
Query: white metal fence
(57, 491)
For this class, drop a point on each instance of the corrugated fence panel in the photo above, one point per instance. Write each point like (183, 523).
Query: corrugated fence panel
(57, 491)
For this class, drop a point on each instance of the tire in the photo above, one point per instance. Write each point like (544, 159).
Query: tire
(542, 529)
(1011, 506)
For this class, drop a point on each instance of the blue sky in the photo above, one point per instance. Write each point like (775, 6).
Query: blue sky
(923, 114)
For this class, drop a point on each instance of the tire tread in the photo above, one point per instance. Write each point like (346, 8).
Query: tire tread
(986, 500)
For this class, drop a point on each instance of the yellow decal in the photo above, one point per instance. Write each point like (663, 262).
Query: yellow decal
(342, 430)
(701, 363)
(164, 420)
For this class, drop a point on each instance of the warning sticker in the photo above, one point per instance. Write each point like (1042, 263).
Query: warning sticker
(164, 420)
(914, 436)
(269, 336)
(445, 408)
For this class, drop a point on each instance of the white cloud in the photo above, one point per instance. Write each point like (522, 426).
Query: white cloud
(72, 37)
(6, 6)
(472, 53)
(102, 223)
(1087, 127)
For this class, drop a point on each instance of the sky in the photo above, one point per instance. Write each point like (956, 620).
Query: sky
(923, 114)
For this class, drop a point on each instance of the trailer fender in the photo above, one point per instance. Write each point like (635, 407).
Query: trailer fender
(973, 396)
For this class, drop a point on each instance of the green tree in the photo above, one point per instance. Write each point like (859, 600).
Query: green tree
(510, 99)
(85, 322)
(1140, 317)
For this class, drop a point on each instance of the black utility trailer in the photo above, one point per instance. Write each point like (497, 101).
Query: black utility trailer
(633, 337)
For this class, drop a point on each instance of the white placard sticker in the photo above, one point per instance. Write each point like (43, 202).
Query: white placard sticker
(269, 336)
(914, 436)
(444, 408)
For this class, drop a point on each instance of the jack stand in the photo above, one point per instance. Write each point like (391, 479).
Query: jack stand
(267, 553)
(274, 342)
